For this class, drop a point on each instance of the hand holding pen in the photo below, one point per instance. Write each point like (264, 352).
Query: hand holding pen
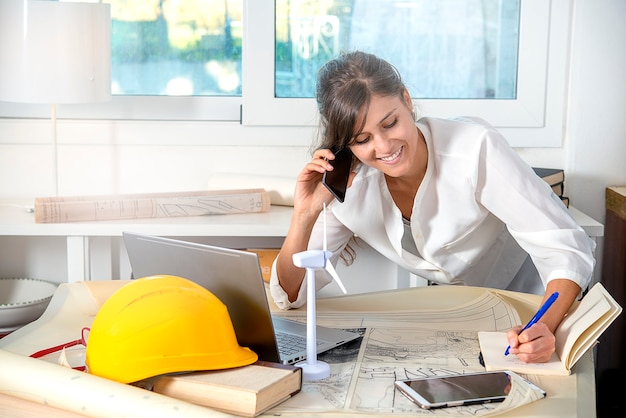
(544, 308)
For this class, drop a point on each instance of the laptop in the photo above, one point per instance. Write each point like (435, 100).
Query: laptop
(235, 277)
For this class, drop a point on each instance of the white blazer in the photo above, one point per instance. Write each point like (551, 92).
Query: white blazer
(476, 206)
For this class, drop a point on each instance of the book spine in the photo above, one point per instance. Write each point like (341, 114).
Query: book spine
(556, 180)
(55, 210)
(558, 189)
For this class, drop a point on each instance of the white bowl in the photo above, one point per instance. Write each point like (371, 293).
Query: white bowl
(22, 300)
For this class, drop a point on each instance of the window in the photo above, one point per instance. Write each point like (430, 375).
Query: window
(170, 59)
(448, 49)
(533, 117)
(253, 62)
(176, 48)
(175, 59)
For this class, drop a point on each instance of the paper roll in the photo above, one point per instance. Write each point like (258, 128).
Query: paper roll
(279, 188)
(71, 390)
(10, 406)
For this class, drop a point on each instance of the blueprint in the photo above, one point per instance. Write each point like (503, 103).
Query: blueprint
(406, 345)
(150, 205)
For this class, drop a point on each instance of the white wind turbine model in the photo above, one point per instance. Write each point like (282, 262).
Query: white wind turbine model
(312, 368)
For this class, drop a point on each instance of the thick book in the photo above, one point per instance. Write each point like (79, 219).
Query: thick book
(578, 332)
(246, 391)
(552, 176)
(150, 205)
(555, 177)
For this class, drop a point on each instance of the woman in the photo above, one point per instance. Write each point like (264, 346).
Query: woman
(447, 200)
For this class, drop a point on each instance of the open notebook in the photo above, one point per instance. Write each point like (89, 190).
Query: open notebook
(235, 277)
(577, 333)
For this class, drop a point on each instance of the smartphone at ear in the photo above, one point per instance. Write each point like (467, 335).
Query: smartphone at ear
(336, 181)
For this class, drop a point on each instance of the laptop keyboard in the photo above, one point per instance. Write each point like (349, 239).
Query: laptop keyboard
(291, 343)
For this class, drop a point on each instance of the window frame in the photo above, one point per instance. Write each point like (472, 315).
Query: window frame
(150, 108)
(533, 119)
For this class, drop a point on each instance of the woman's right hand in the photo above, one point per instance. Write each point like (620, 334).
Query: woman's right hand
(310, 194)
(309, 198)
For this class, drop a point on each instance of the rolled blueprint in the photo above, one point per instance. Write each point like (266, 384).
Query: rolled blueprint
(279, 188)
(71, 390)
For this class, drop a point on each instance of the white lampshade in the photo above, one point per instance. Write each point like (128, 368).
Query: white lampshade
(54, 52)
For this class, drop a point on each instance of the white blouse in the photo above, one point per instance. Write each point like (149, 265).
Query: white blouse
(478, 213)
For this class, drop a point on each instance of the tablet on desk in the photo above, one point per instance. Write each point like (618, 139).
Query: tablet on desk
(457, 390)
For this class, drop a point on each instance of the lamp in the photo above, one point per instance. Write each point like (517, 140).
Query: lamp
(54, 53)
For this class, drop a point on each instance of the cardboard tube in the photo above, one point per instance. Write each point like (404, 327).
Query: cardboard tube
(71, 390)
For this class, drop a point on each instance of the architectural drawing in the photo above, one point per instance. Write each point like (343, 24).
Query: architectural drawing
(405, 345)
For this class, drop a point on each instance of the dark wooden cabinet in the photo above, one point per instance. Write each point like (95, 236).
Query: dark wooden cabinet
(611, 351)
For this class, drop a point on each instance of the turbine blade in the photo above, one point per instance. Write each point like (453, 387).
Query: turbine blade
(331, 270)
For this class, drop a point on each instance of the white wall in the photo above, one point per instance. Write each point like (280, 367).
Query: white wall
(596, 126)
(98, 157)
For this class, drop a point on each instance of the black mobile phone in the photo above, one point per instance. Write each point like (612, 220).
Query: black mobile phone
(457, 390)
(337, 180)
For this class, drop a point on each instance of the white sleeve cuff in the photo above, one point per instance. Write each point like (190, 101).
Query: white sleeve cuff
(280, 296)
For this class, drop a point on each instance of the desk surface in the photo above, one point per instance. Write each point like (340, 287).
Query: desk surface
(15, 220)
(568, 396)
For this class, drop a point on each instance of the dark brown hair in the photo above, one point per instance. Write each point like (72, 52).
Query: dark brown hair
(345, 85)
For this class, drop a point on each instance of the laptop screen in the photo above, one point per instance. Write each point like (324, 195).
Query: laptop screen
(234, 276)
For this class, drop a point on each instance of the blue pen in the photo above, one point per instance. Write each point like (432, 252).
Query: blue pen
(537, 316)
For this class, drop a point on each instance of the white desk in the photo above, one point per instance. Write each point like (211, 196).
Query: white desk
(568, 396)
(75, 305)
(260, 230)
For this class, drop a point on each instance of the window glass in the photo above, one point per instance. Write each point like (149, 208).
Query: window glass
(176, 47)
(445, 49)
(515, 75)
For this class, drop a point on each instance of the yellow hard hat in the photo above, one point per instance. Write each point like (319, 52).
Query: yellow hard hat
(162, 324)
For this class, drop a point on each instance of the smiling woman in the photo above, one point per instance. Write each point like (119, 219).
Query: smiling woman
(445, 199)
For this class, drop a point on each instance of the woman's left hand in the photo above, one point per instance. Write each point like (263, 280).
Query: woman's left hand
(534, 345)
